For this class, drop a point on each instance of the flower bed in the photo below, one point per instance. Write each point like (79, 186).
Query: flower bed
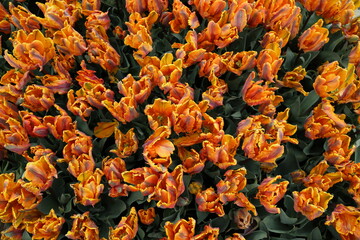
(199, 119)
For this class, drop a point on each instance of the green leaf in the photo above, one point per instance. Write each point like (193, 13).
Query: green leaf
(26, 236)
(289, 60)
(83, 126)
(308, 102)
(221, 222)
(134, 196)
(257, 235)
(285, 219)
(357, 155)
(47, 204)
(273, 224)
(315, 234)
(200, 216)
(113, 208)
(307, 58)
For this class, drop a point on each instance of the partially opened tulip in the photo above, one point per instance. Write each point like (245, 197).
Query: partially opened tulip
(314, 37)
(31, 51)
(311, 202)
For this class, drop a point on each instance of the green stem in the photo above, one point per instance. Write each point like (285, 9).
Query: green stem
(306, 22)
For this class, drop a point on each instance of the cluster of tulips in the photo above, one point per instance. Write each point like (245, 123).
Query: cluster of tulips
(93, 110)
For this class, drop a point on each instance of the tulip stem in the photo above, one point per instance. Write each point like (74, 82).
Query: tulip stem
(306, 22)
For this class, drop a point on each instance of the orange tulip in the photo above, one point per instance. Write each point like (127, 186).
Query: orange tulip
(7, 110)
(113, 168)
(136, 6)
(338, 151)
(187, 116)
(47, 227)
(191, 161)
(209, 9)
(31, 51)
(69, 42)
(269, 62)
(318, 179)
(98, 18)
(324, 123)
(88, 191)
(88, 6)
(124, 111)
(137, 22)
(79, 105)
(38, 98)
(255, 94)
(297, 176)
(209, 201)
(292, 79)
(287, 17)
(190, 52)
(11, 93)
(242, 61)
(269, 193)
(140, 6)
(234, 182)
(140, 89)
(87, 76)
(351, 173)
(5, 26)
(56, 13)
(16, 78)
(147, 216)
(314, 37)
(39, 151)
(83, 228)
(354, 55)
(142, 179)
(56, 83)
(22, 18)
(181, 93)
(311, 202)
(209, 233)
(126, 144)
(343, 219)
(182, 229)
(183, 17)
(236, 236)
(280, 37)
(169, 188)
(58, 124)
(215, 95)
(258, 145)
(16, 199)
(12, 233)
(157, 149)
(9, 206)
(242, 218)
(127, 227)
(102, 53)
(33, 125)
(214, 63)
(80, 164)
(159, 113)
(331, 79)
(40, 173)
(217, 35)
(332, 11)
(77, 144)
(14, 138)
(222, 156)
